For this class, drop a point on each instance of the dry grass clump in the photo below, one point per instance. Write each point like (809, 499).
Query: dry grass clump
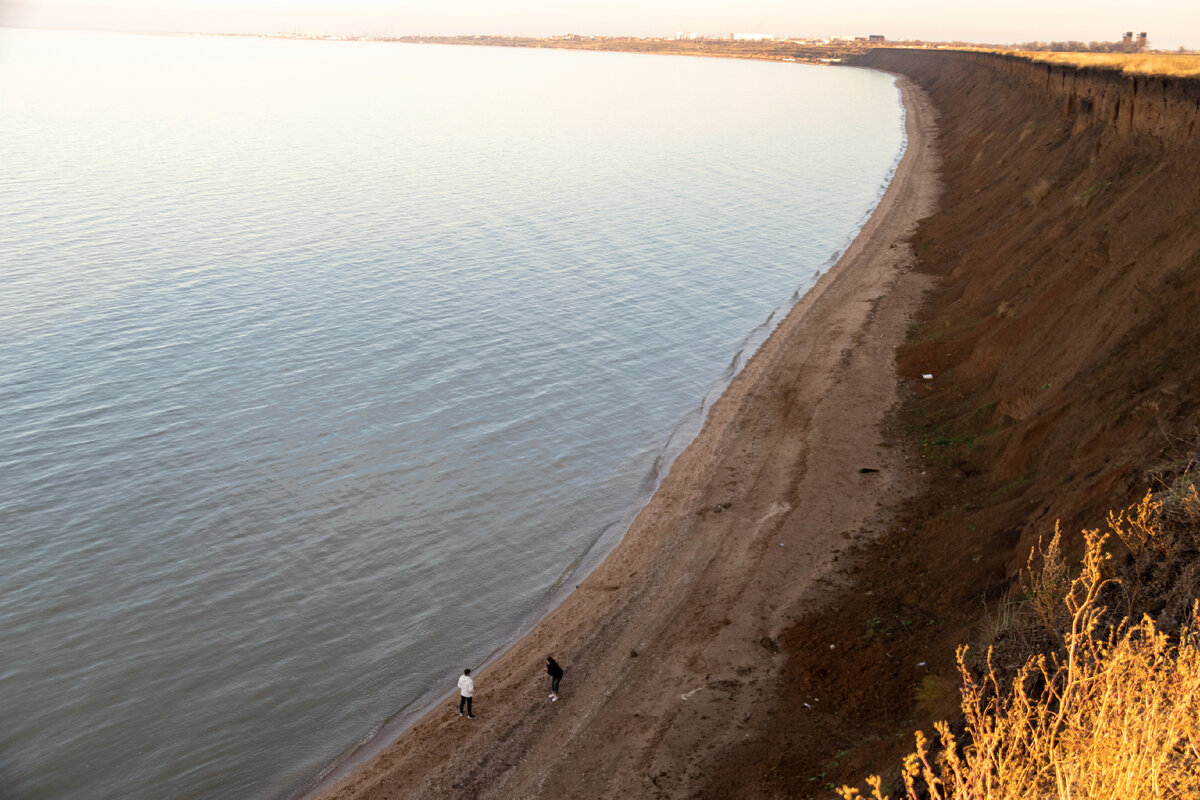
(1109, 708)
(1141, 63)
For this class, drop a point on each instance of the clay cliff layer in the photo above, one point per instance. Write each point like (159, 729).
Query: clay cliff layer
(1063, 337)
(1118, 102)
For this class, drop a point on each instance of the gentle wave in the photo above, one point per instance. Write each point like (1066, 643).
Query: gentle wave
(325, 366)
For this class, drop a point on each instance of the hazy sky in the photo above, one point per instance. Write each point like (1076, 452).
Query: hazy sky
(1170, 23)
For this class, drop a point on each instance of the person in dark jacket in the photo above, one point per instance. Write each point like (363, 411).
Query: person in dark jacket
(555, 672)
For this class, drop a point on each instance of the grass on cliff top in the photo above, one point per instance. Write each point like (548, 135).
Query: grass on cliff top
(1141, 63)
(1106, 704)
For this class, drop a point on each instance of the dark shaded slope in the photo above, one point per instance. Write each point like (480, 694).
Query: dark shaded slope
(1064, 341)
(1065, 335)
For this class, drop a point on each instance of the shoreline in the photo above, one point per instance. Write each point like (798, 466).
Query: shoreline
(734, 545)
(689, 427)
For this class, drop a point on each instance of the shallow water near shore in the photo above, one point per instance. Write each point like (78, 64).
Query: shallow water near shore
(323, 364)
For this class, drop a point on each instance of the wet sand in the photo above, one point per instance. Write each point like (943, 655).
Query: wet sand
(669, 645)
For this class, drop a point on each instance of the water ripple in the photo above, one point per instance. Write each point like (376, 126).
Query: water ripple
(321, 365)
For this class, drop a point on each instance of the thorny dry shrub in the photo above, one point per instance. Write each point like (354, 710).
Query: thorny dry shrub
(1161, 574)
(1111, 709)
(1047, 588)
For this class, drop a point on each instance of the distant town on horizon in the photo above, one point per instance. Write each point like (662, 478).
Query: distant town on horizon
(1128, 41)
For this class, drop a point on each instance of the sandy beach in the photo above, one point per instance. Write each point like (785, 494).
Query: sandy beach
(670, 645)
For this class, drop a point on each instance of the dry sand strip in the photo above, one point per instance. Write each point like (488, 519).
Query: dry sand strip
(668, 644)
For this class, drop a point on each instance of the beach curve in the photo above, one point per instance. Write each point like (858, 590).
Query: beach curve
(669, 645)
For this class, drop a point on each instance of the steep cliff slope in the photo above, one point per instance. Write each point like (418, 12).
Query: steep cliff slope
(1064, 338)
(1064, 343)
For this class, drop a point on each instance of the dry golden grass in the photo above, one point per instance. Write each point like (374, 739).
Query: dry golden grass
(1142, 63)
(1047, 588)
(1113, 714)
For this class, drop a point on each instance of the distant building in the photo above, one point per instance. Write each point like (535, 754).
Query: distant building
(1127, 39)
(752, 37)
(876, 37)
(1142, 41)
(686, 35)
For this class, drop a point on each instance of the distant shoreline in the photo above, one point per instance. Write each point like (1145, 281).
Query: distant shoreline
(783, 50)
(765, 50)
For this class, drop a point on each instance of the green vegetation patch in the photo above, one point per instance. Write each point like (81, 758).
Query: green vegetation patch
(1015, 486)
(1088, 194)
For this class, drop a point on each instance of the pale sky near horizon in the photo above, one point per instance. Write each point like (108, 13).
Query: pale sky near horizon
(1170, 23)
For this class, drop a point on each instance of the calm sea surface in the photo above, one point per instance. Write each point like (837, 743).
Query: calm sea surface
(323, 365)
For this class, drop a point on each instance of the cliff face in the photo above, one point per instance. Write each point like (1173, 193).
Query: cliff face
(1065, 333)
(1064, 342)
(1117, 102)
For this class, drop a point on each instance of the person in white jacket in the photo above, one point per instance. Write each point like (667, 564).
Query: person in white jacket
(466, 690)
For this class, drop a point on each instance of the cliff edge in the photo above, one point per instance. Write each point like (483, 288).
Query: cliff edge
(1062, 339)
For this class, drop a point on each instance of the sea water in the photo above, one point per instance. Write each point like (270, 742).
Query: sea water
(323, 365)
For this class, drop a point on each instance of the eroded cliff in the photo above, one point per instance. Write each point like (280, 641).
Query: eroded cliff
(1064, 334)
(1064, 343)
